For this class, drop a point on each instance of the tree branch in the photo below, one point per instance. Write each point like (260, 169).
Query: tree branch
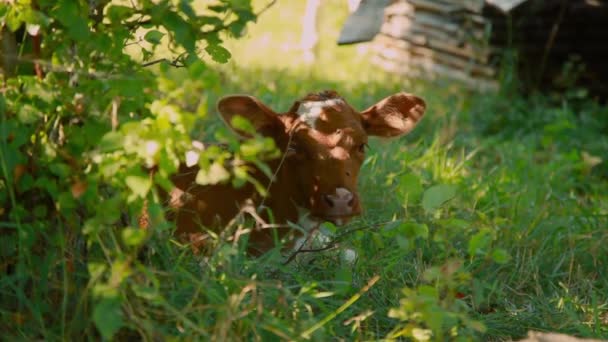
(176, 62)
(225, 26)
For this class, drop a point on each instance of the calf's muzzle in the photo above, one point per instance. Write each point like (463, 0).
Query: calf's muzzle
(342, 203)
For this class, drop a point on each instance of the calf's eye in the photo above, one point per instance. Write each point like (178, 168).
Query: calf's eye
(363, 147)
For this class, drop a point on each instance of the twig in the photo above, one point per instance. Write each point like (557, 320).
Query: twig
(266, 8)
(71, 70)
(276, 172)
(225, 26)
(140, 40)
(147, 64)
(174, 63)
(333, 243)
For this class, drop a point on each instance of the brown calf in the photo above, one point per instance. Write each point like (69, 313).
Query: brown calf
(322, 140)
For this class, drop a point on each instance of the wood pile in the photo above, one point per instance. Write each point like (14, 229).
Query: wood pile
(433, 38)
(465, 40)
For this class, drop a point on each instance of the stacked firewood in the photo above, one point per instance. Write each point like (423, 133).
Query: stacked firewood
(466, 40)
(433, 38)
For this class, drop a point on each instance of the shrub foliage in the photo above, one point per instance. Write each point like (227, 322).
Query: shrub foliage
(84, 120)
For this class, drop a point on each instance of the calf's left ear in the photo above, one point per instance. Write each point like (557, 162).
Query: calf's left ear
(395, 115)
(263, 119)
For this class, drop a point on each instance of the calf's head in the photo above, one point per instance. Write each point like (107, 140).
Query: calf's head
(323, 141)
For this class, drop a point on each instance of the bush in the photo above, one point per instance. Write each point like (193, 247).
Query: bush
(84, 121)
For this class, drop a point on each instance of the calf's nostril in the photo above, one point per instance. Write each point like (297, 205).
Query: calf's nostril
(351, 202)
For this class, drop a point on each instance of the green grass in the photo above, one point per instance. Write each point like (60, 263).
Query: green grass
(522, 245)
(527, 192)
(519, 242)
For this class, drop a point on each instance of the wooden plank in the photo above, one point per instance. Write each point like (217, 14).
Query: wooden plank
(434, 72)
(418, 24)
(435, 6)
(438, 21)
(471, 66)
(404, 31)
(470, 5)
(399, 8)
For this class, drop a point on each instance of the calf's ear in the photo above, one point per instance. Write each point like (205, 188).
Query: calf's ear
(395, 115)
(263, 119)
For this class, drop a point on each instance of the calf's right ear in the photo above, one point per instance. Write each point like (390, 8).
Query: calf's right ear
(393, 116)
(263, 119)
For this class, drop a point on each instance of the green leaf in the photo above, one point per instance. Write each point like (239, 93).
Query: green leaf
(435, 196)
(410, 187)
(403, 243)
(149, 293)
(127, 86)
(35, 18)
(197, 69)
(96, 269)
(479, 242)
(329, 228)
(500, 256)
(422, 334)
(187, 9)
(154, 36)
(413, 230)
(344, 279)
(92, 227)
(218, 8)
(216, 173)
(109, 211)
(182, 32)
(111, 141)
(66, 202)
(59, 169)
(107, 316)
(116, 13)
(68, 13)
(240, 123)
(476, 325)
(139, 185)
(218, 53)
(240, 4)
(28, 114)
(13, 19)
(133, 236)
(454, 223)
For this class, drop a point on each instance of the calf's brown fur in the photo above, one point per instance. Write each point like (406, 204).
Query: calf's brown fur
(322, 140)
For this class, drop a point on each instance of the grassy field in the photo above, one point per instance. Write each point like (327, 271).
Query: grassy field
(489, 220)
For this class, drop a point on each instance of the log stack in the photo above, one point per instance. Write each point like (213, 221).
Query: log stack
(466, 40)
(432, 38)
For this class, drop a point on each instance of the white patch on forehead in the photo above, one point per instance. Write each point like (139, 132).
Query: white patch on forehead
(310, 111)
